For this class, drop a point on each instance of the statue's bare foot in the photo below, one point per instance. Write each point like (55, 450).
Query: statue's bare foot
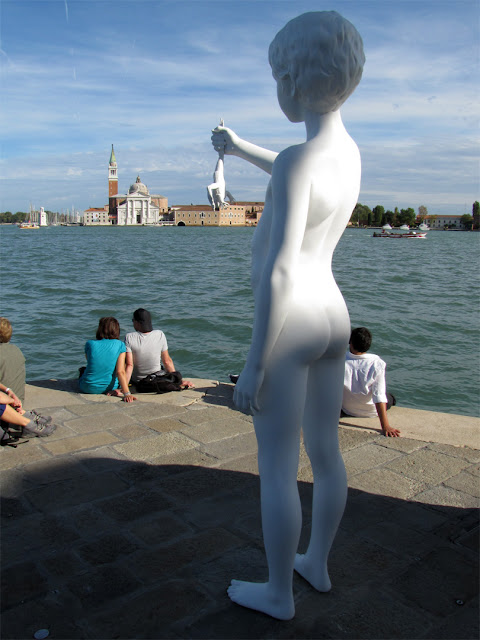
(318, 578)
(261, 597)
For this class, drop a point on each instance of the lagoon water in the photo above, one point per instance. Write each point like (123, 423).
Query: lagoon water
(420, 298)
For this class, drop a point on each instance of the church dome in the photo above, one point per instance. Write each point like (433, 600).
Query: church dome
(138, 187)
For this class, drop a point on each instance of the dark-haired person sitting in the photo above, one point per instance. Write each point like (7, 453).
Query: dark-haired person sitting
(105, 370)
(364, 387)
(147, 352)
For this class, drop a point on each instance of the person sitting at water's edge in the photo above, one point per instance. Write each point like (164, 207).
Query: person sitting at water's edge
(364, 387)
(12, 416)
(147, 352)
(105, 370)
(12, 361)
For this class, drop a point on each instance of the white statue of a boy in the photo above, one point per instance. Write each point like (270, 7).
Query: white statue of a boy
(293, 376)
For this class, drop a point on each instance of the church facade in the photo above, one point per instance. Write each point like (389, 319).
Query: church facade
(138, 206)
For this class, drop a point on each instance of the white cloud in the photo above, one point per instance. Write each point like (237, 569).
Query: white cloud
(154, 78)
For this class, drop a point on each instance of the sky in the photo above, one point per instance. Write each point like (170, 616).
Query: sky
(154, 77)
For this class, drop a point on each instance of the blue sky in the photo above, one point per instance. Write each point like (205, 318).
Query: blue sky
(154, 77)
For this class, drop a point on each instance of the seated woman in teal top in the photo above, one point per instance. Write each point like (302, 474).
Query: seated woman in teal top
(105, 370)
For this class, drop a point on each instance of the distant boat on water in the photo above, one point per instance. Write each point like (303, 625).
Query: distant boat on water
(28, 225)
(402, 232)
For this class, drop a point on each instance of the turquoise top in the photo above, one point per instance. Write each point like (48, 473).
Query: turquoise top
(100, 374)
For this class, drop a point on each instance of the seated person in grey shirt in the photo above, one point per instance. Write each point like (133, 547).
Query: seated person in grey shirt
(12, 361)
(147, 350)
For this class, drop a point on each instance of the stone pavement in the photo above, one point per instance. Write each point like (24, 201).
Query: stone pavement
(131, 519)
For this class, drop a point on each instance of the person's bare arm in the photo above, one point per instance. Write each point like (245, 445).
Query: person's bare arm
(167, 362)
(14, 399)
(129, 365)
(122, 378)
(387, 430)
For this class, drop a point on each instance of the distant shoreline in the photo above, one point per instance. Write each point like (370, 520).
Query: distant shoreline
(213, 226)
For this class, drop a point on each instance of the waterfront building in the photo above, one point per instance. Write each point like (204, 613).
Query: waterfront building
(96, 216)
(253, 212)
(138, 206)
(112, 175)
(440, 222)
(199, 215)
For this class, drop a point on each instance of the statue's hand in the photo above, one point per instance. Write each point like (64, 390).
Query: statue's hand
(247, 390)
(224, 139)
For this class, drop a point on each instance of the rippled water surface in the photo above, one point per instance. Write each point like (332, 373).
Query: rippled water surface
(420, 298)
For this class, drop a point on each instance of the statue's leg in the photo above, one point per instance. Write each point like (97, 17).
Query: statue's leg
(278, 436)
(320, 428)
(211, 197)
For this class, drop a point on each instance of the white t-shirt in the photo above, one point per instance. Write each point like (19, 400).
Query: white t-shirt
(146, 349)
(364, 384)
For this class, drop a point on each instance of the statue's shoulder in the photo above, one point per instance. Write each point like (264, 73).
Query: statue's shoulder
(290, 156)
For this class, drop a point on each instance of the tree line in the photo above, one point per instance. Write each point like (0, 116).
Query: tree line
(363, 216)
(8, 216)
(22, 216)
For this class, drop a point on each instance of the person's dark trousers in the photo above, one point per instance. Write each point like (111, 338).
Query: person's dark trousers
(391, 400)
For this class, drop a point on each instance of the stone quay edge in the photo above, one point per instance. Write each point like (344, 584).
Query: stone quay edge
(130, 520)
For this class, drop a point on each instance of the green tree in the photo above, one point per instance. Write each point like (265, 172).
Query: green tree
(395, 221)
(378, 213)
(466, 221)
(360, 214)
(6, 216)
(389, 217)
(407, 216)
(476, 214)
(20, 216)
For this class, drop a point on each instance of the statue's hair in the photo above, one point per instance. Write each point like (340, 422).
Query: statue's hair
(322, 52)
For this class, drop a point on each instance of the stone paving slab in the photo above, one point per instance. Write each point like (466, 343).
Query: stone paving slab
(366, 457)
(387, 483)
(427, 466)
(150, 448)
(427, 426)
(131, 519)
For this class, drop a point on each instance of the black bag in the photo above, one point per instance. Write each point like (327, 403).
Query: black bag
(160, 383)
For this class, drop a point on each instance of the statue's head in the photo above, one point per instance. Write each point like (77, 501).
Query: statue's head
(320, 57)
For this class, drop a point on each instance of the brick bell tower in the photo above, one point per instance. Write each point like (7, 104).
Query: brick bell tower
(112, 175)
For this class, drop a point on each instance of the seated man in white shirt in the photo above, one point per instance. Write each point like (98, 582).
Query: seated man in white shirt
(147, 351)
(364, 386)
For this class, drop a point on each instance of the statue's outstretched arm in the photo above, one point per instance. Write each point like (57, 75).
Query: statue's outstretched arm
(290, 200)
(227, 140)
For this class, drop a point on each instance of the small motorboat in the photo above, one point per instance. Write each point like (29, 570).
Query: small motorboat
(28, 225)
(402, 232)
